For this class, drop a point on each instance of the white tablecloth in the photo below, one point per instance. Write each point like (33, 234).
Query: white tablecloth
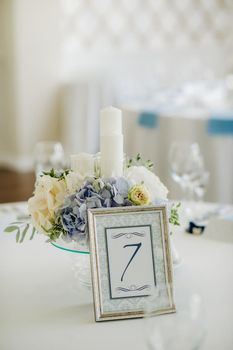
(154, 144)
(40, 309)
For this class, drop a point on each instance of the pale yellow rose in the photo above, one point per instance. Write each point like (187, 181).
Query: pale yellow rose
(48, 196)
(139, 195)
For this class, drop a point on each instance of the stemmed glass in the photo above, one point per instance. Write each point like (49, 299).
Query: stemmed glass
(188, 170)
(47, 155)
(183, 330)
(200, 188)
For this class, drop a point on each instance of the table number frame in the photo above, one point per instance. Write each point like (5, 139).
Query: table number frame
(130, 259)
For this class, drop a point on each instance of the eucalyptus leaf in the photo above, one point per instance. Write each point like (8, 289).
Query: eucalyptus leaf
(17, 236)
(33, 233)
(11, 228)
(24, 233)
(17, 223)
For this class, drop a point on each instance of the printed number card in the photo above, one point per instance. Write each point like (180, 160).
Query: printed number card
(130, 259)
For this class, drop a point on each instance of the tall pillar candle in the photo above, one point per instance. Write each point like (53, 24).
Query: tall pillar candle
(111, 142)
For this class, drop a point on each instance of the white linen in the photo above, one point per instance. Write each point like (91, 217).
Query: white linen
(40, 310)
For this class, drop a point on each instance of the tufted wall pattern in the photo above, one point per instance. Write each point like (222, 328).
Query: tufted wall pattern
(152, 24)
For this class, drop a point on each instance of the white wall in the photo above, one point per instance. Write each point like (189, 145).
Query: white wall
(8, 135)
(31, 52)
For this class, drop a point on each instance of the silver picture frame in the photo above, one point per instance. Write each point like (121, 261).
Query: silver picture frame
(130, 259)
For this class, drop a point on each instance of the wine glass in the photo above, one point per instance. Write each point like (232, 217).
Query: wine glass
(200, 189)
(187, 167)
(183, 330)
(47, 155)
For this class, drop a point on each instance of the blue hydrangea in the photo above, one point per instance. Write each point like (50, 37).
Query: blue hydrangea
(111, 192)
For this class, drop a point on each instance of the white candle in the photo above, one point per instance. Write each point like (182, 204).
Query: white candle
(111, 142)
(82, 163)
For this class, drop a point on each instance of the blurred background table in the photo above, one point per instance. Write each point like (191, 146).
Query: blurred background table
(153, 118)
(41, 309)
(152, 134)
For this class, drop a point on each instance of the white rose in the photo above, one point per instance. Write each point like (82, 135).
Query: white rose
(73, 182)
(139, 174)
(83, 164)
(48, 196)
(40, 216)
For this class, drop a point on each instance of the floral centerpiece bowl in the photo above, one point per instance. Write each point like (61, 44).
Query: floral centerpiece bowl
(59, 205)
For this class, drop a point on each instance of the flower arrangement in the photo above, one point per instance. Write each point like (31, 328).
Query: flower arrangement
(58, 208)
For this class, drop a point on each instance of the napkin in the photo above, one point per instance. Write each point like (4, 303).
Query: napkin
(220, 124)
(148, 119)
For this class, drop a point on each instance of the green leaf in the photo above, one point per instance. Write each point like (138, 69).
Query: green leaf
(138, 161)
(174, 215)
(24, 233)
(17, 236)
(11, 228)
(17, 223)
(60, 175)
(33, 233)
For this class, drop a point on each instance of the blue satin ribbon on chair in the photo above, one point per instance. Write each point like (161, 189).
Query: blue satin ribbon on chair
(220, 124)
(148, 119)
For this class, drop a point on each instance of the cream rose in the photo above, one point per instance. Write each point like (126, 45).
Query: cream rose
(73, 182)
(139, 195)
(48, 196)
(139, 174)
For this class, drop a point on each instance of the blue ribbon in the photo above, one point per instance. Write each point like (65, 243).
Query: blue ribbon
(148, 119)
(220, 124)
(70, 250)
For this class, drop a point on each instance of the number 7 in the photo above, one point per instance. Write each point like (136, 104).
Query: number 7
(138, 246)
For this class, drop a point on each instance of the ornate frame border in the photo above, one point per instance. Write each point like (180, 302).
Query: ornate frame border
(93, 215)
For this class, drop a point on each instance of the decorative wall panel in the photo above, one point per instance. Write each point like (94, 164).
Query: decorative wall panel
(135, 24)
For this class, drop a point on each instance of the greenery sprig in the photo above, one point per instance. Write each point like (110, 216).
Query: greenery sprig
(21, 228)
(60, 175)
(174, 216)
(138, 161)
(55, 231)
